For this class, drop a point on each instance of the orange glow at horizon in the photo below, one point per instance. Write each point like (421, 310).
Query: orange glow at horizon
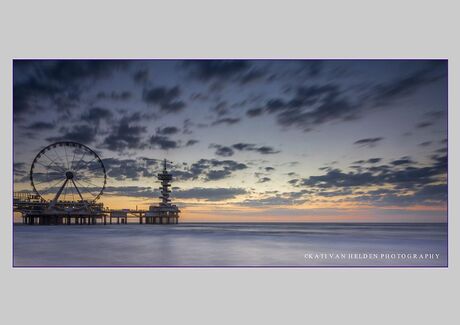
(231, 211)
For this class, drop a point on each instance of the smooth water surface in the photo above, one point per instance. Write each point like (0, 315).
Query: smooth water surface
(232, 244)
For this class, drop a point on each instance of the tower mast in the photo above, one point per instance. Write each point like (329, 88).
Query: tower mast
(165, 179)
(165, 212)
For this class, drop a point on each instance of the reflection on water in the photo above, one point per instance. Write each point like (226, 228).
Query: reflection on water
(228, 244)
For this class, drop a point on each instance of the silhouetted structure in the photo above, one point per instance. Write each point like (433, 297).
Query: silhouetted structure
(66, 187)
(67, 179)
(165, 212)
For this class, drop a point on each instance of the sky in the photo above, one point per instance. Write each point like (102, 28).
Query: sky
(248, 140)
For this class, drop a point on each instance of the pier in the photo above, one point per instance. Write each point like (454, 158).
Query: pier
(80, 207)
(37, 213)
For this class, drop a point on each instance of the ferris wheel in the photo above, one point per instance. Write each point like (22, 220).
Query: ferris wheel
(68, 171)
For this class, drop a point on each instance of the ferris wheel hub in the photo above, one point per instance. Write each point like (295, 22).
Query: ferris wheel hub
(69, 175)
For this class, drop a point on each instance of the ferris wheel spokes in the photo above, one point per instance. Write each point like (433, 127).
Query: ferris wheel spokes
(77, 171)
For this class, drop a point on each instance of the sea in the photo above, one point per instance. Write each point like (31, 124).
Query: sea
(232, 245)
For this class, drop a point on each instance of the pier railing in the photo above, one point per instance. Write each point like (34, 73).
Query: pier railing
(27, 197)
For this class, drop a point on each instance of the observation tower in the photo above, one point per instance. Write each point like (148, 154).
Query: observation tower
(165, 212)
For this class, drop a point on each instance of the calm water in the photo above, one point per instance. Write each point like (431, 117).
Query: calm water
(236, 244)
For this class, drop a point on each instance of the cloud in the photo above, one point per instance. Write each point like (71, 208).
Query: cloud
(279, 199)
(39, 126)
(27, 93)
(404, 178)
(294, 182)
(168, 130)
(141, 76)
(168, 99)
(432, 193)
(251, 76)
(264, 180)
(227, 120)
(19, 167)
(133, 169)
(436, 114)
(386, 93)
(216, 69)
(442, 150)
(214, 175)
(20, 172)
(226, 151)
(265, 150)
(312, 67)
(81, 133)
(313, 105)
(335, 193)
(222, 150)
(114, 95)
(197, 193)
(374, 160)
(401, 184)
(183, 175)
(60, 82)
(163, 142)
(187, 126)
(369, 161)
(124, 135)
(368, 142)
(209, 194)
(69, 71)
(241, 72)
(161, 139)
(425, 144)
(253, 112)
(422, 125)
(226, 168)
(191, 142)
(208, 170)
(336, 178)
(95, 114)
(131, 191)
(425, 195)
(402, 161)
(221, 108)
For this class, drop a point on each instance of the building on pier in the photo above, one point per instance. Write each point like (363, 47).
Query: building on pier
(36, 211)
(165, 212)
